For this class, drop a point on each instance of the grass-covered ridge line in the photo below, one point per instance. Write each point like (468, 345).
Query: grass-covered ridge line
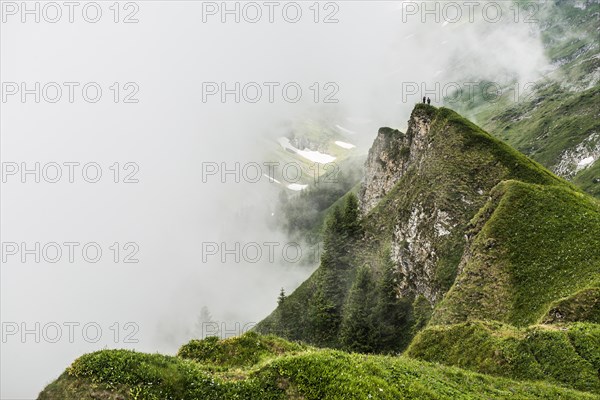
(565, 355)
(531, 246)
(519, 166)
(308, 374)
(243, 351)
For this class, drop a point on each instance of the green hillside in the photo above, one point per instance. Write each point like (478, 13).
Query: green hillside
(564, 355)
(269, 368)
(554, 120)
(531, 245)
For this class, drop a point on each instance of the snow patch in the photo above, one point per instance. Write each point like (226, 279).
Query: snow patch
(582, 156)
(314, 156)
(344, 145)
(585, 162)
(285, 143)
(271, 179)
(296, 187)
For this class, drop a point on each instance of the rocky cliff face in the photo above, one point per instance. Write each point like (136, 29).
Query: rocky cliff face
(384, 167)
(390, 156)
(580, 157)
(422, 225)
(430, 182)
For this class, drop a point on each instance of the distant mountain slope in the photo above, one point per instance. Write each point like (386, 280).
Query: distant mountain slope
(557, 123)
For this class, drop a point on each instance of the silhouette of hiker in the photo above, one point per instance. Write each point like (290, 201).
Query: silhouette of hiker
(423, 99)
(428, 100)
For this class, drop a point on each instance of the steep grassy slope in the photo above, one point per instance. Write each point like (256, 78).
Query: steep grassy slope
(569, 355)
(532, 256)
(530, 246)
(276, 374)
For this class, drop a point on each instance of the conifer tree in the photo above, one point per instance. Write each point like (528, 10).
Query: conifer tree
(325, 311)
(324, 319)
(334, 239)
(352, 216)
(281, 297)
(358, 330)
(390, 311)
(202, 322)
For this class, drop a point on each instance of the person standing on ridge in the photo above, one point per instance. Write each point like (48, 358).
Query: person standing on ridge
(428, 101)
(423, 99)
